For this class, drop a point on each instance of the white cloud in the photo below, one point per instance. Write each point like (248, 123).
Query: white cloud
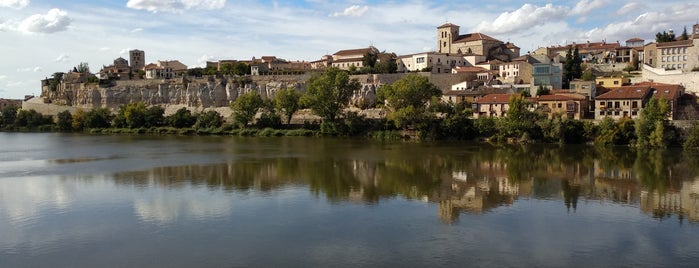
(174, 5)
(353, 11)
(62, 58)
(55, 20)
(526, 17)
(629, 7)
(584, 7)
(104, 49)
(3, 77)
(16, 4)
(137, 30)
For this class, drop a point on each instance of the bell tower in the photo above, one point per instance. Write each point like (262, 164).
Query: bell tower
(695, 31)
(445, 36)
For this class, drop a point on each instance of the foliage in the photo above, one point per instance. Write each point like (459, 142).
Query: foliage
(652, 124)
(329, 93)
(154, 116)
(241, 68)
(8, 115)
(684, 35)
(629, 68)
(268, 117)
(83, 67)
(486, 126)
(209, 119)
(31, 119)
(135, 114)
(78, 122)
(97, 118)
(182, 118)
(588, 76)
(615, 133)
(692, 140)
(572, 66)
(55, 80)
(520, 119)
(541, 91)
(407, 98)
(245, 107)
(369, 59)
(287, 102)
(664, 37)
(64, 121)
(386, 66)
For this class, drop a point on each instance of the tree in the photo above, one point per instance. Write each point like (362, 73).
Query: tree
(154, 116)
(651, 126)
(8, 115)
(519, 119)
(132, 115)
(572, 66)
(97, 118)
(226, 68)
(209, 119)
(31, 118)
(56, 79)
(577, 64)
(327, 94)
(684, 35)
(629, 68)
(83, 67)
(182, 118)
(588, 76)
(664, 37)
(407, 99)
(369, 59)
(78, 120)
(64, 121)
(241, 68)
(386, 66)
(287, 102)
(245, 107)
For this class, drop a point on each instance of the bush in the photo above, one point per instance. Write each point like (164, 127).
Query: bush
(209, 119)
(64, 121)
(182, 118)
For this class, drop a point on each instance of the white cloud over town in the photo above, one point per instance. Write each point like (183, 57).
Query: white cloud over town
(174, 5)
(584, 7)
(526, 17)
(16, 4)
(55, 20)
(353, 11)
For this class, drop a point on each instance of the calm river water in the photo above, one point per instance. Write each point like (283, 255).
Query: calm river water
(146, 201)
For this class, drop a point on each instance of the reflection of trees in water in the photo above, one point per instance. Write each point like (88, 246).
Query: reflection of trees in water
(459, 177)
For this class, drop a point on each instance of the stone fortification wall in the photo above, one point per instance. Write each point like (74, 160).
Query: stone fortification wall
(689, 80)
(211, 92)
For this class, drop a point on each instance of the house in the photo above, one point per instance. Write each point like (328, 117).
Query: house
(518, 71)
(627, 101)
(612, 81)
(432, 61)
(479, 73)
(165, 69)
(570, 105)
(459, 94)
(120, 70)
(585, 88)
(450, 41)
(680, 55)
(590, 52)
(491, 105)
(344, 59)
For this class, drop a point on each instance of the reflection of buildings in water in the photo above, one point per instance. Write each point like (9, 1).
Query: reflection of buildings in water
(617, 184)
(684, 203)
(473, 195)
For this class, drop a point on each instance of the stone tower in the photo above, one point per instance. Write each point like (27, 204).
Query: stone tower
(695, 31)
(137, 59)
(445, 36)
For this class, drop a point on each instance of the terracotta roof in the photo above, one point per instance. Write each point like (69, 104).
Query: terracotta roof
(660, 90)
(358, 51)
(448, 24)
(588, 46)
(510, 45)
(561, 97)
(635, 39)
(473, 37)
(495, 98)
(682, 43)
(626, 92)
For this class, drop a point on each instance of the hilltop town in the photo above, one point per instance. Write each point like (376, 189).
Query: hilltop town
(482, 70)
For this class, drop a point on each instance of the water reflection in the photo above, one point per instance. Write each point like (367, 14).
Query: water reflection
(461, 179)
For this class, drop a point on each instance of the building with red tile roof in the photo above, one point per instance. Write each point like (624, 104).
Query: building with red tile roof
(449, 40)
(627, 101)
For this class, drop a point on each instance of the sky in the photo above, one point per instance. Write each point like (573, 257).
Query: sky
(41, 37)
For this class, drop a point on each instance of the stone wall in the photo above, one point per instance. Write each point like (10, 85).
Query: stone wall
(689, 80)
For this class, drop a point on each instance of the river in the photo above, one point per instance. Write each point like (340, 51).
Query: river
(73, 200)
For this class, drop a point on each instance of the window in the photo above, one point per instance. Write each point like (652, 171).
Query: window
(662, 59)
(616, 104)
(445, 44)
(662, 51)
(684, 58)
(634, 105)
(560, 105)
(420, 60)
(616, 82)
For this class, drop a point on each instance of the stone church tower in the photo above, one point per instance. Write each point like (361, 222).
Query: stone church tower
(446, 34)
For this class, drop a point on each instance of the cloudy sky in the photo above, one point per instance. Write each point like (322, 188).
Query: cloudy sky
(40, 37)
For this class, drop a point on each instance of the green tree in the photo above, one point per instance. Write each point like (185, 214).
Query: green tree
(369, 59)
(664, 37)
(629, 68)
(154, 116)
(407, 99)
(226, 68)
(83, 67)
(78, 122)
(64, 121)
(241, 68)
(652, 124)
(684, 35)
(287, 102)
(55, 80)
(132, 115)
(268, 118)
(386, 66)
(588, 76)
(327, 94)
(8, 115)
(182, 118)
(31, 118)
(245, 107)
(692, 140)
(97, 118)
(519, 119)
(209, 119)
(572, 66)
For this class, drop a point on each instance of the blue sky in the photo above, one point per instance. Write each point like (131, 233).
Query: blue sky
(40, 37)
